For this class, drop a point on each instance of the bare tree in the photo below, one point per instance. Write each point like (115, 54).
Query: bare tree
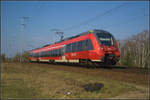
(135, 50)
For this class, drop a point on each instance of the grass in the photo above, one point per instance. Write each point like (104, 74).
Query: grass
(41, 81)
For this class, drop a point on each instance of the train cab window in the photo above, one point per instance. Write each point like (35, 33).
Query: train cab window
(105, 38)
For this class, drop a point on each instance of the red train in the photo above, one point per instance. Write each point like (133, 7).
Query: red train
(95, 46)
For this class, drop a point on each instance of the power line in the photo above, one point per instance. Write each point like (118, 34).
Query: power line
(96, 17)
(128, 21)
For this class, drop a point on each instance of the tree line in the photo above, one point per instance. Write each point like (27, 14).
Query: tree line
(134, 51)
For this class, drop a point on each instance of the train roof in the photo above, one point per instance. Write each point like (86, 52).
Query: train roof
(95, 30)
(83, 33)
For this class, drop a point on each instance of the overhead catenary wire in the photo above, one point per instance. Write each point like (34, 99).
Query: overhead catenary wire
(127, 21)
(96, 17)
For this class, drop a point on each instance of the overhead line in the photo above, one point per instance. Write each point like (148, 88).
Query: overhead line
(98, 16)
(128, 21)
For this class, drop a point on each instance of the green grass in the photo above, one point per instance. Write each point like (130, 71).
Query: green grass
(18, 88)
(40, 81)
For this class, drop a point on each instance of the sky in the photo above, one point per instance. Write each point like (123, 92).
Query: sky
(121, 18)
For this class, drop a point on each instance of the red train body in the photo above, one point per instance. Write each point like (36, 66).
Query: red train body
(96, 46)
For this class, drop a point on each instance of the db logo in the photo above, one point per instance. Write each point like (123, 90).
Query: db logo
(109, 48)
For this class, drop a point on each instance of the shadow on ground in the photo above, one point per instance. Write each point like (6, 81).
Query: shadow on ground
(89, 66)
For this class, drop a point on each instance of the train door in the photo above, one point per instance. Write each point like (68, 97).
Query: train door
(63, 53)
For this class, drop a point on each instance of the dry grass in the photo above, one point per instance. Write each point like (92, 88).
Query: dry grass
(50, 81)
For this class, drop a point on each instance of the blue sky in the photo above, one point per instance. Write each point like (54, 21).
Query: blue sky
(123, 22)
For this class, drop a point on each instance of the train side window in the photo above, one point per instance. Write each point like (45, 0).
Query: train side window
(50, 53)
(57, 52)
(86, 44)
(83, 45)
(78, 46)
(47, 53)
(73, 47)
(67, 48)
(90, 46)
(42, 54)
(39, 54)
(70, 49)
(60, 51)
(54, 52)
(35, 54)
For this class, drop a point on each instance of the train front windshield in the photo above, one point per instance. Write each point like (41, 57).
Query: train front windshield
(105, 39)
